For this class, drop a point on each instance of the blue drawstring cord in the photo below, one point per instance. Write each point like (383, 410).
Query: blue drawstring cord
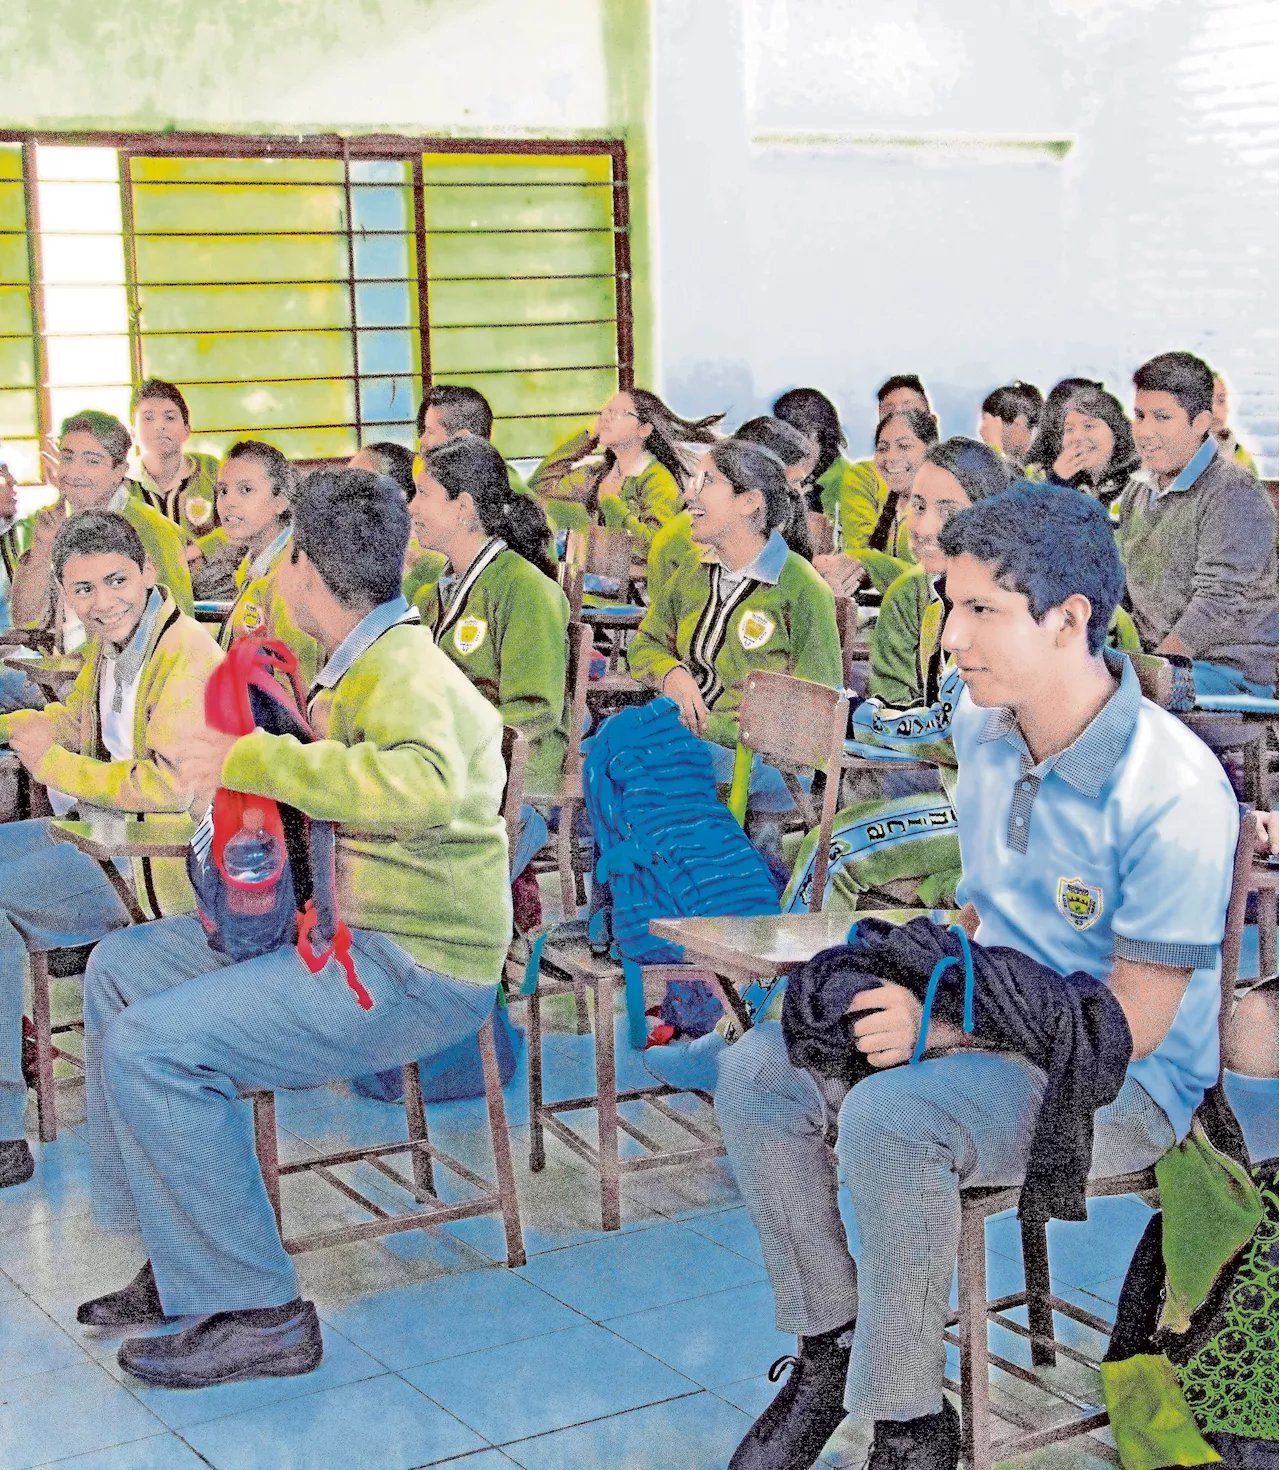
(963, 937)
(932, 990)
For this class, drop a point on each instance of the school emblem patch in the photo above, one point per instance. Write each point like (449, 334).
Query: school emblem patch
(755, 629)
(468, 635)
(1079, 903)
(199, 510)
(251, 618)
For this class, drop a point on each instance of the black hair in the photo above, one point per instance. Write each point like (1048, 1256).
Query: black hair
(901, 380)
(475, 466)
(1014, 400)
(157, 388)
(1048, 543)
(1047, 444)
(281, 474)
(105, 428)
(353, 526)
(1097, 403)
(395, 461)
(1183, 375)
(749, 466)
(980, 471)
(784, 440)
(814, 414)
(923, 425)
(460, 408)
(96, 533)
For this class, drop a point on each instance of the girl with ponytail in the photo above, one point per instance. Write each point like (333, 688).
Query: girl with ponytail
(496, 611)
(628, 472)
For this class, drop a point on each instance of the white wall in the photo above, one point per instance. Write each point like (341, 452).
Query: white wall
(837, 262)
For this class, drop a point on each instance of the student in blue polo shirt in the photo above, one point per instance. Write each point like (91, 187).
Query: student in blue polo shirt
(1096, 834)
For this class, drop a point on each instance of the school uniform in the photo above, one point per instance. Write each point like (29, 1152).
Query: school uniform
(190, 504)
(1120, 846)
(16, 690)
(259, 608)
(643, 503)
(130, 715)
(504, 623)
(409, 765)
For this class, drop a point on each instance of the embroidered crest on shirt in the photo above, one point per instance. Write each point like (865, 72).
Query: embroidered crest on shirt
(755, 629)
(468, 635)
(199, 510)
(1079, 903)
(251, 618)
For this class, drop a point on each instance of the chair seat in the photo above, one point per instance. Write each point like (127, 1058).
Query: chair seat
(993, 1199)
(66, 964)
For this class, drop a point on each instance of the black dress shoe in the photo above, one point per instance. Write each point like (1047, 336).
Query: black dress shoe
(135, 1305)
(265, 1342)
(17, 1164)
(791, 1432)
(931, 1442)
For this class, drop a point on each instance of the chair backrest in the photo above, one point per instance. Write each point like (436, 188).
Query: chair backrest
(793, 723)
(579, 675)
(854, 648)
(822, 535)
(596, 552)
(515, 756)
(1155, 677)
(1242, 881)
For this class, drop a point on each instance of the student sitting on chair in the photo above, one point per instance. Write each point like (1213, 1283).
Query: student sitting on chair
(637, 483)
(89, 473)
(1009, 419)
(1198, 537)
(167, 476)
(256, 489)
(114, 745)
(1097, 834)
(410, 768)
(747, 602)
(1097, 453)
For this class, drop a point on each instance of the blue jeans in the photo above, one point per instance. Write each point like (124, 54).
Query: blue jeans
(51, 896)
(18, 692)
(175, 1032)
(1223, 679)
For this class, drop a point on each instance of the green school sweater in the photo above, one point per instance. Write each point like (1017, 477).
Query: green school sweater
(853, 495)
(191, 504)
(411, 770)
(670, 547)
(643, 504)
(780, 617)
(259, 608)
(504, 624)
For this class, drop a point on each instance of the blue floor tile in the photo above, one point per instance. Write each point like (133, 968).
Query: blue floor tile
(1085, 1252)
(162, 1452)
(633, 1271)
(1256, 1102)
(714, 1339)
(180, 1408)
(381, 1424)
(69, 1411)
(527, 1388)
(751, 1395)
(698, 1433)
(31, 1342)
(733, 1229)
(60, 1185)
(450, 1316)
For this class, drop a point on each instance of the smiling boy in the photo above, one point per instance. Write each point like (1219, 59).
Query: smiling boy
(114, 745)
(1096, 834)
(1197, 536)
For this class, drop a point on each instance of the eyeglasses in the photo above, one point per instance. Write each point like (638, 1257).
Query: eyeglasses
(620, 413)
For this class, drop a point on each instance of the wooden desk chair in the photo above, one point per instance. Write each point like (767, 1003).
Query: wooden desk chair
(968, 1325)
(822, 535)
(493, 1197)
(610, 555)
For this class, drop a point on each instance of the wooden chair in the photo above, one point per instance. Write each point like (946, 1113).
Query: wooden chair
(968, 1325)
(499, 1197)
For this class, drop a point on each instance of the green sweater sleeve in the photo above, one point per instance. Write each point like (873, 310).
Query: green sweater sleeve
(541, 481)
(883, 569)
(815, 638)
(895, 643)
(398, 777)
(648, 501)
(651, 654)
(531, 656)
(862, 497)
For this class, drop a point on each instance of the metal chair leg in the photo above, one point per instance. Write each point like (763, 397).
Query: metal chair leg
(415, 1117)
(46, 1096)
(975, 1388)
(607, 1106)
(1035, 1268)
(268, 1150)
(501, 1147)
(533, 1040)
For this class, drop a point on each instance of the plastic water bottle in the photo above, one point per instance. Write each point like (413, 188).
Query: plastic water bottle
(252, 856)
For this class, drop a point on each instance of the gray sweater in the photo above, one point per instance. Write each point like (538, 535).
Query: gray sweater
(1201, 563)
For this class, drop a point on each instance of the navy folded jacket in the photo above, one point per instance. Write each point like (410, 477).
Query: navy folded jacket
(1070, 1026)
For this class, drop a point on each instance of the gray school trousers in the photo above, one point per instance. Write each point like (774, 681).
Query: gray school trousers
(905, 1141)
(175, 1031)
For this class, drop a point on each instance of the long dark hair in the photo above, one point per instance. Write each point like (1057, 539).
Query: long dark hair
(749, 466)
(1097, 403)
(665, 443)
(815, 415)
(790, 446)
(475, 466)
(281, 474)
(1047, 445)
(979, 470)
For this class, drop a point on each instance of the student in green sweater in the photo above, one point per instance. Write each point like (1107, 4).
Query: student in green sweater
(170, 479)
(1229, 445)
(497, 611)
(450, 411)
(637, 482)
(748, 602)
(409, 766)
(89, 473)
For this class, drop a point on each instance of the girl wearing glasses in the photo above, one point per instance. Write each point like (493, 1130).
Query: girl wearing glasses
(626, 473)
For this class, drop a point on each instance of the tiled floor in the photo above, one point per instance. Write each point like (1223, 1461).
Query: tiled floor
(642, 1350)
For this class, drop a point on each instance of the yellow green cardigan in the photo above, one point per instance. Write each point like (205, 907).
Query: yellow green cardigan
(643, 504)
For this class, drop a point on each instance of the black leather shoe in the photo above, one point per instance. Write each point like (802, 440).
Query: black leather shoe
(791, 1432)
(272, 1342)
(931, 1442)
(136, 1305)
(17, 1164)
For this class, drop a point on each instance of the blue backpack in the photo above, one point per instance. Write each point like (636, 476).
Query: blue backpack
(667, 846)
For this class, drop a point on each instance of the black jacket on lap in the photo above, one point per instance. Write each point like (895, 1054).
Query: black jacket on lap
(1070, 1026)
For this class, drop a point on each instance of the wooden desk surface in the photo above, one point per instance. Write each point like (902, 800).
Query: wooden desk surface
(773, 944)
(158, 836)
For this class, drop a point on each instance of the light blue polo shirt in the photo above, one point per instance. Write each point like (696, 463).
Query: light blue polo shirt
(1120, 846)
